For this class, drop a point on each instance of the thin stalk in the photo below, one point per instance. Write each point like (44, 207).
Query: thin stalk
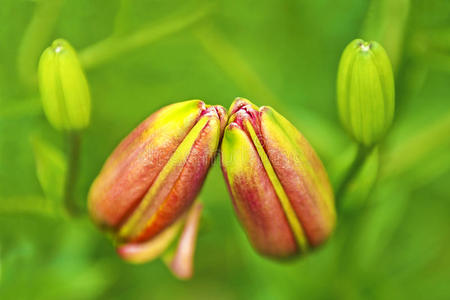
(353, 170)
(35, 39)
(74, 141)
(114, 46)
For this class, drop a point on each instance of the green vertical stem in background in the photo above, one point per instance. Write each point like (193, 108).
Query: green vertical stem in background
(386, 22)
(351, 173)
(74, 142)
(120, 20)
(235, 65)
(320, 131)
(35, 38)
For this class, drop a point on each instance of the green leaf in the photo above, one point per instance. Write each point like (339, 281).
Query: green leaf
(51, 168)
(16, 109)
(380, 223)
(33, 204)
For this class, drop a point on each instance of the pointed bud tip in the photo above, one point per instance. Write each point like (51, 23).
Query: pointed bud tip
(60, 45)
(216, 111)
(241, 111)
(239, 103)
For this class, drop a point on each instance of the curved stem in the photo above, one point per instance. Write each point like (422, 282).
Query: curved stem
(115, 46)
(74, 141)
(353, 170)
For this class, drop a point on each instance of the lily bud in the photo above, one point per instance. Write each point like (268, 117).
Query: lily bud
(64, 88)
(280, 189)
(156, 172)
(365, 91)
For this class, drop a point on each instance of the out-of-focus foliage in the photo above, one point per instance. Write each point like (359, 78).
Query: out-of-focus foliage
(392, 241)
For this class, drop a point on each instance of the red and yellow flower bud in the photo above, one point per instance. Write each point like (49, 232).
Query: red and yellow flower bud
(153, 176)
(279, 187)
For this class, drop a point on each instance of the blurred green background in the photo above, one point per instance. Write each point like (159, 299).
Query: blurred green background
(393, 238)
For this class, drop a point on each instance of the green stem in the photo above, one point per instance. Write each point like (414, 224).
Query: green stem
(115, 46)
(74, 140)
(353, 170)
(386, 22)
(35, 38)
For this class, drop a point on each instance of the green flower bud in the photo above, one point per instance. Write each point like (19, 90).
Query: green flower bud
(63, 86)
(365, 91)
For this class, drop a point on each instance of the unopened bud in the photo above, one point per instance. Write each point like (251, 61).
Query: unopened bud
(64, 88)
(279, 187)
(365, 91)
(151, 179)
